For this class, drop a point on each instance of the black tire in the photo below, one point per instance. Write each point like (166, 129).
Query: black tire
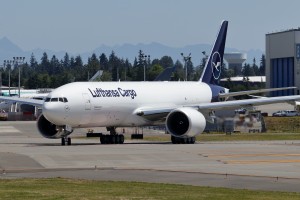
(193, 140)
(112, 139)
(69, 141)
(117, 139)
(106, 139)
(122, 139)
(63, 142)
(189, 140)
(173, 139)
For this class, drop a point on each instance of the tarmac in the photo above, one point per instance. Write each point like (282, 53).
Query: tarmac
(259, 165)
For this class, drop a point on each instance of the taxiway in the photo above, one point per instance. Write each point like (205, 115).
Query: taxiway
(262, 165)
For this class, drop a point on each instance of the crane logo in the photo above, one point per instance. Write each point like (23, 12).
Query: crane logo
(216, 65)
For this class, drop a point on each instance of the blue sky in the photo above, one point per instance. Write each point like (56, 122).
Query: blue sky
(79, 26)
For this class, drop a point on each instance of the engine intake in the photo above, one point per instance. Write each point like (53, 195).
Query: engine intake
(49, 130)
(185, 122)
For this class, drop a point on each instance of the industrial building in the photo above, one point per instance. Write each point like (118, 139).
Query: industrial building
(283, 61)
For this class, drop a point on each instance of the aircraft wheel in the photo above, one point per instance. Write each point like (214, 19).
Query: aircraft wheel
(193, 140)
(175, 140)
(63, 141)
(117, 139)
(122, 139)
(69, 141)
(112, 139)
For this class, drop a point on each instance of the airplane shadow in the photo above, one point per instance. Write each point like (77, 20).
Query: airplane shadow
(97, 144)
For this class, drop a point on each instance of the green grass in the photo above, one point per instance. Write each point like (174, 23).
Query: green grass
(249, 137)
(58, 188)
(283, 124)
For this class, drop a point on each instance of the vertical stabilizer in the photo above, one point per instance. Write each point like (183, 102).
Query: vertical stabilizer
(212, 70)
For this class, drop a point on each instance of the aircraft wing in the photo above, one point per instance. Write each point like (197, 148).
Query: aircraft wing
(33, 102)
(232, 94)
(160, 113)
(247, 102)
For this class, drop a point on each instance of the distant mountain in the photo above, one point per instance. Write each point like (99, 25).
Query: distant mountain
(156, 50)
(9, 49)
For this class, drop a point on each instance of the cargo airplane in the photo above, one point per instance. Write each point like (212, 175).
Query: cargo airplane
(184, 107)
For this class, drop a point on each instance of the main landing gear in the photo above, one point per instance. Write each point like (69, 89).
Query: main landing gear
(178, 140)
(113, 138)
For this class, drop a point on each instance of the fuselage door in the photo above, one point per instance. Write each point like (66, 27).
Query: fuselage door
(87, 101)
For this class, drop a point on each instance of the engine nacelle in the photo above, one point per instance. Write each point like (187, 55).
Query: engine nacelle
(49, 130)
(185, 122)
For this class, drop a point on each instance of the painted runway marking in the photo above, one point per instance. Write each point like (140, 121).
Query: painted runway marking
(8, 129)
(259, 161)
(252, 155)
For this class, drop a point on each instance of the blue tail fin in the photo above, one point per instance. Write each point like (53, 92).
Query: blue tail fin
(212, 69)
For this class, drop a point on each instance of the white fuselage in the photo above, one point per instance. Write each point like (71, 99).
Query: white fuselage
(104, 104)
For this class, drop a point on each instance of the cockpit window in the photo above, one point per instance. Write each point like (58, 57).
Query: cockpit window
(54, 99)
(60, 99)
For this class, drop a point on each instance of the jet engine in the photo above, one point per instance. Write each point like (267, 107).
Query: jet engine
(185, 122)
(49, 130)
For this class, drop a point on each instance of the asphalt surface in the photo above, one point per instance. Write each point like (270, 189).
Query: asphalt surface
(267, 165)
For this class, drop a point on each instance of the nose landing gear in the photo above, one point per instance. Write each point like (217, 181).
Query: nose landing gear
(66, 141)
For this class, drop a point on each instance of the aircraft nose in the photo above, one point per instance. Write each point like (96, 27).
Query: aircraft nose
(53, 113)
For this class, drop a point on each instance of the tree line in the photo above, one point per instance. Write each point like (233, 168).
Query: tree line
(52, 72)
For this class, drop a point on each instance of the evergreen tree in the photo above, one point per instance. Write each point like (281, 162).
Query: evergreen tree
(247, 70)
(33, 62)
(190, 70)
(45, 64)
(66, 61)
(255, 68)
(114, 66)
(179, 73)
(103, 62)
(93, 65)
(166, 61)
(78, 61)
(154, 71)
(54, 66)
(262, 65)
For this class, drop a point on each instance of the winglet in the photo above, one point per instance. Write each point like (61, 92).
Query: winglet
(212, 69)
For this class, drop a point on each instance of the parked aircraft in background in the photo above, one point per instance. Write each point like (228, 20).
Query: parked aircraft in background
(184, 107)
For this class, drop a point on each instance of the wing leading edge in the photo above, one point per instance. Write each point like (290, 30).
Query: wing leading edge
(159, 113)
(232, 94)
(33, 102)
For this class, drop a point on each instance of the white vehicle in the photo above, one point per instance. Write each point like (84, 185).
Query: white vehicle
(285, 113)
(184, 107)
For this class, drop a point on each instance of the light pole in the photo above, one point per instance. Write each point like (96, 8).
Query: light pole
(145, 64)
(144, 59)
(19, 61)
(185, 60)
(8, 63)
